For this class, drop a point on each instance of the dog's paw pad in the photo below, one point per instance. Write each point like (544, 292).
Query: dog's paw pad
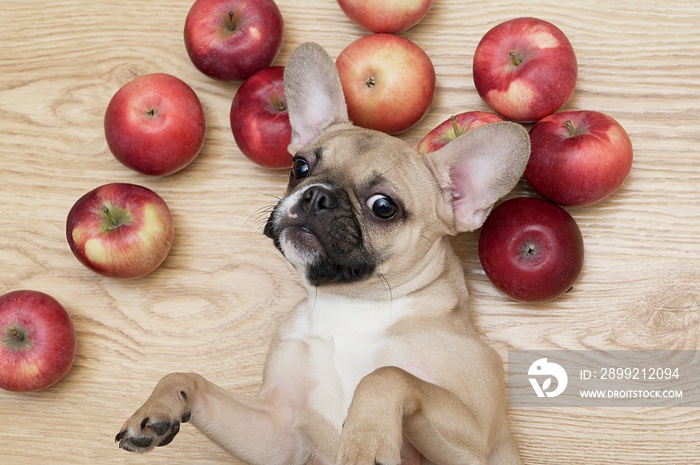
(133, 443)
(171, 435)
(161, 427)
(141, 442)
(147, 435)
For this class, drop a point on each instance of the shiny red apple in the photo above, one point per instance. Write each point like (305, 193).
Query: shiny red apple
(155, 124)
(531, 249)
(525, 69)
(120, 230)
(230, 40)
(578, 157)
(388, 82)
(37, 341)
(388, 16)
(259, 119)
(453, 127)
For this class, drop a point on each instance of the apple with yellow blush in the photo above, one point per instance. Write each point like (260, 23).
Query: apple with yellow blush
(120, 230)
(525, 69)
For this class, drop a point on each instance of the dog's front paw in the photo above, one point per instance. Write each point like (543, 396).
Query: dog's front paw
(370, 439)
(158, 421)
(368, 449)
(372, 433)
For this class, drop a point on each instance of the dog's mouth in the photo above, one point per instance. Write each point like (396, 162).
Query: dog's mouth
(326, 244)
(299, 244)
(290, 234)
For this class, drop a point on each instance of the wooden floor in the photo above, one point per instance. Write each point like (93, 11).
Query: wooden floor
(213, 304)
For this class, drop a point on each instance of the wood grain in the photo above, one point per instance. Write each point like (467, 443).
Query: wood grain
(214, 303)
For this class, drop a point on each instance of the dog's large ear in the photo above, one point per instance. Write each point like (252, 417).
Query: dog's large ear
(314, 94)
(477, 169)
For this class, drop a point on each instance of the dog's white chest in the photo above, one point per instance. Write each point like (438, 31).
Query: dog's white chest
(344, 340)
(337, 366)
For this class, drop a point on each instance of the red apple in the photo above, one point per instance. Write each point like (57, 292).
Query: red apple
(531, 249)
(120, 230)
(578, 157)
(38, 342)
(387, 16)
(453, 127)
(388, 82)
(525, 69)
(155, 124)
(259, 119)
(230, 40)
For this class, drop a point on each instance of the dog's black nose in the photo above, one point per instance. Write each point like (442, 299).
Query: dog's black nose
(318, 198)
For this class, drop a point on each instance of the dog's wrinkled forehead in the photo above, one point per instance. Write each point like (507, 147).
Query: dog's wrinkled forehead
(359, 159)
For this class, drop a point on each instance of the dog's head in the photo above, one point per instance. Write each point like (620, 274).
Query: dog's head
(365, 207)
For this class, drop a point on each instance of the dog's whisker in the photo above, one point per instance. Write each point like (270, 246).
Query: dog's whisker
(388, 286)
(427, 228)
(258, 223)
(313, 306)
(256, 244)
(258, 218)
(267, 194)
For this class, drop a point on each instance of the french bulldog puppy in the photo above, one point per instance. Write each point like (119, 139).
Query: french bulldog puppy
(380, 364)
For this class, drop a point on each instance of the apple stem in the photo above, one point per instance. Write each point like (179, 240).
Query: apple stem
(281, 106)
(458, 130)
(231, 22)
(16, 334)
(571, 128)
(514, 58)
(371, 82)
(114, 217)
(109, 217)
(453, 120)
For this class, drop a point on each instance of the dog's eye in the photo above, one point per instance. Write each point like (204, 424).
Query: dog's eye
(300, 168)
(382, 206)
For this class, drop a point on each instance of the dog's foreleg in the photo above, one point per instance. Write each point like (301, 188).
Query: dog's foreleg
(248, 427)
(390, 404)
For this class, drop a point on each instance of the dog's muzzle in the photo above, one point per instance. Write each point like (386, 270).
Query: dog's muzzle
(316, 228)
